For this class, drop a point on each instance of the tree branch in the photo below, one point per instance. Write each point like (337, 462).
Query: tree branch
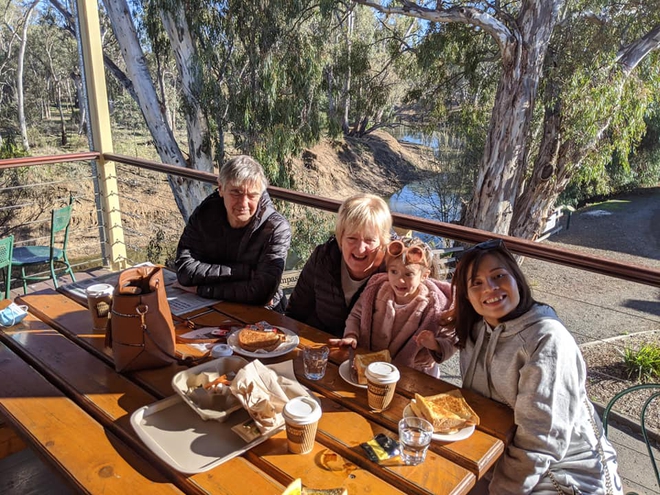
(466, 15)
(632, 54)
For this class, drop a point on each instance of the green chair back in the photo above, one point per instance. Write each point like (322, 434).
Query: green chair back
(655, 393)
(60, 220)
(6, 253)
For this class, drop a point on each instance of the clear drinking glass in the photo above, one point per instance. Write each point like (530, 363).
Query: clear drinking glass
(414, 436)
(315, 360)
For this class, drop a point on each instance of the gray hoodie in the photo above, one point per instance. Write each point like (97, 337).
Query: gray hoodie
(533, 365)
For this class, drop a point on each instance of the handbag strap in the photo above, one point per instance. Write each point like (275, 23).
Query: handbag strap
(141, 311)
(601, 454)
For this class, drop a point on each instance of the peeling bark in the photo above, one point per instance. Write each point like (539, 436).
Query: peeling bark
(187, 193)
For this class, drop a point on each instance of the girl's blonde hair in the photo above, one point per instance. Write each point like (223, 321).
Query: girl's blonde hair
(362, 212)
(428, 260)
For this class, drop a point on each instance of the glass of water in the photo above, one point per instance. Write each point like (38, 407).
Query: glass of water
(414, 436)
(315, 360)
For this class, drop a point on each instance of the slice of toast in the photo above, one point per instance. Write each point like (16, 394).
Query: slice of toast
(448, 412)
(253, 340)
(364, 360)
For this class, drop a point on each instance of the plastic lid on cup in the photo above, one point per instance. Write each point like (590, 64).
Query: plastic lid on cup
(382, 372)
(221, 350)
(302, 410)
(97, 290)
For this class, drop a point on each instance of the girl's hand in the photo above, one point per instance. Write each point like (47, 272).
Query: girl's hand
(348, 341)
(426, 338)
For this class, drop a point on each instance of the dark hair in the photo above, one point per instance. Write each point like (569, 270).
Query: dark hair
(462, 316)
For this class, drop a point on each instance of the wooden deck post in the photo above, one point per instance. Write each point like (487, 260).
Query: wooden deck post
(111, 232)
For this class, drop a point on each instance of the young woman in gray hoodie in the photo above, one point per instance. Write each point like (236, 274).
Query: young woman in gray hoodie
(516, 351)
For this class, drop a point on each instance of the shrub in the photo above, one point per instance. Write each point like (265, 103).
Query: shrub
(643, 362)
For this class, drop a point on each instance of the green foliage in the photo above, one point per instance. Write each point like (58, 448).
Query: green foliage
(309, 227)
(160, 250)
(10, 149)
(644, 363)
(263, 69)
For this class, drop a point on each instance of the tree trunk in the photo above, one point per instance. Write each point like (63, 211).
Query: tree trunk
(503, 163)
(558, 161)
(80, 98)
(20, 95)
(187, 193)
(345, 123)
(199, 141)
(63, 137)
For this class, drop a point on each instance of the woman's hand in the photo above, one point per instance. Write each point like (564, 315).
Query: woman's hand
(426, 338)
(348, 341)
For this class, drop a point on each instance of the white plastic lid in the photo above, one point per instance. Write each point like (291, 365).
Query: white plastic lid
(221, 350)
(382, 372)
(97, 290)
(302, 410)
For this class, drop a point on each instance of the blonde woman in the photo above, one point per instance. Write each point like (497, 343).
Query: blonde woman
(337, 271)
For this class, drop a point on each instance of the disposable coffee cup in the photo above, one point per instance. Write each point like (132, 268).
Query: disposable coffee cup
(99, 302)
(381, 384)
(301, 418)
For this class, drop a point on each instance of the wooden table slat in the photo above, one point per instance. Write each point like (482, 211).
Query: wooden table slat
(53, 424)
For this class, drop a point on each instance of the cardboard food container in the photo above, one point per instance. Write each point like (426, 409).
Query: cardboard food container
(210, 405)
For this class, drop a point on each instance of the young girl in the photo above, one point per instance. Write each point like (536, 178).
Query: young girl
(396, 305)
(516, 351)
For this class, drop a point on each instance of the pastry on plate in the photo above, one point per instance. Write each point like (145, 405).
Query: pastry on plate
(253, 340)
(448, 412)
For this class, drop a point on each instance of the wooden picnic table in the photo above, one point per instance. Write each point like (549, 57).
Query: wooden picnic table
(61, 392)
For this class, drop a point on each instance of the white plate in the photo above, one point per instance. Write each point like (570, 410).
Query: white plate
(453, 437)
(345, 373)
(291, 341)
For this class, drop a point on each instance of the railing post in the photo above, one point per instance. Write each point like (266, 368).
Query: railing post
(111, 232)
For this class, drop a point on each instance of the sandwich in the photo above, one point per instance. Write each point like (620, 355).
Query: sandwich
(252, 339)
(448, 412)
(363, 360)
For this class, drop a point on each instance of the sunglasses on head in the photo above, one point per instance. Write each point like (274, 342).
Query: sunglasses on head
(411, 254)
(486, 245)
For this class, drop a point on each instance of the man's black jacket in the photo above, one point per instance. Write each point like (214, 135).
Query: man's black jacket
(239, 265)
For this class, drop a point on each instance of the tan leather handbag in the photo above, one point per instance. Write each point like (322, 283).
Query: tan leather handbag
(140, 330)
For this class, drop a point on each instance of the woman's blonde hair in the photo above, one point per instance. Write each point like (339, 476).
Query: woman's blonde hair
(361, 212)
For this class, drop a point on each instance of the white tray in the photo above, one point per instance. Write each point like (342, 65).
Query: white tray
(182, 439)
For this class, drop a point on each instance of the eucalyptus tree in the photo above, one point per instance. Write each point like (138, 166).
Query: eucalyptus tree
(366, 56)
(511, 196)
(601, 74)
(266, 64)
(52, 59)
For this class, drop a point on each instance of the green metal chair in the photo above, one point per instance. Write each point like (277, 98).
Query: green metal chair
(652, 397)
(28, 256)
(6, 252)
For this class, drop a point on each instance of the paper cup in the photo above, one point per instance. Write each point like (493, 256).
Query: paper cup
(301, 418)
(99, 302)
(381, 383)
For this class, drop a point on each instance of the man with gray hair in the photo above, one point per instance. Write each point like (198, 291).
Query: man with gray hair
(235, 244)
